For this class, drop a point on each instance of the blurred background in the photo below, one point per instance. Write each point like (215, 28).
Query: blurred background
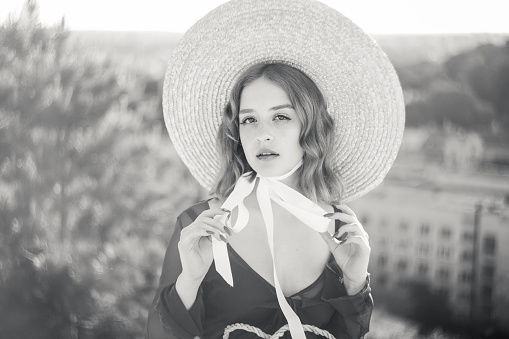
(90, 185)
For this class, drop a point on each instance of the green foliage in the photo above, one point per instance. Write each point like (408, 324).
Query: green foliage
(469, 90)
(89, 188)
(486, 71)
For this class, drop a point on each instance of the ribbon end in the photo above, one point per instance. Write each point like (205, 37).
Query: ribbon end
(222, 260)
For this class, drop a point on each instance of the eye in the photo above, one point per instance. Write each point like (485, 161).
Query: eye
(281, 117)
(247, 120)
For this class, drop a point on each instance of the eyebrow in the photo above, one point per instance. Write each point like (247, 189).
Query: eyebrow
(275, 108)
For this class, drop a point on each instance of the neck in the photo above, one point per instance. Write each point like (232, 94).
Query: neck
(290, 178)
(292, 181)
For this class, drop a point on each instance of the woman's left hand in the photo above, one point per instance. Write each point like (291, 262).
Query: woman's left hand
(352, 254)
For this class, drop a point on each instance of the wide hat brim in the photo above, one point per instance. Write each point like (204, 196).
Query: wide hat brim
(362, 90)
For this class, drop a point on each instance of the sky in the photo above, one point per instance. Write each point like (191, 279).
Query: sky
(374, 16)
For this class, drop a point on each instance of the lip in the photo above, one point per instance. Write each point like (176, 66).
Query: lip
(266, 154)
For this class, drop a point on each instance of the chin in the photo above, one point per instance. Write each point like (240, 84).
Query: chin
(270, 172)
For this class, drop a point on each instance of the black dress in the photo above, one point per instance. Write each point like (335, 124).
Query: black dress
(252, 300)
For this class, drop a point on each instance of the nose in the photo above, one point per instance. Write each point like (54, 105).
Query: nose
(264, 136)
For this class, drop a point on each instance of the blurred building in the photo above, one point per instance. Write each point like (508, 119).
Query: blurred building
(449, 230)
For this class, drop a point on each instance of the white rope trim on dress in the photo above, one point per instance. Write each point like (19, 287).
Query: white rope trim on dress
(279, 333)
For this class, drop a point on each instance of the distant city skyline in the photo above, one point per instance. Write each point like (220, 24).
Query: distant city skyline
(374, 16)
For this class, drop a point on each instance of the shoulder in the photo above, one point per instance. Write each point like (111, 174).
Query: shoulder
(192, 212)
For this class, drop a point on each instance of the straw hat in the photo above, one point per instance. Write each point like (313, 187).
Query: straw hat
(360, 85)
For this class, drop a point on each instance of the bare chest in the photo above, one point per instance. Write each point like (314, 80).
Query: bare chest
(300, 254)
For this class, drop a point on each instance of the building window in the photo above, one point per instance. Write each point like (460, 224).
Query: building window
(425, 229)
(464, 295)
(466, 256)
(489, 245)
(402, 266)
(403, 244)
(443, 274)
(468, 236)
(423, 250)
(465, 277)
(444, 252)
(488, 272)
(445, 233)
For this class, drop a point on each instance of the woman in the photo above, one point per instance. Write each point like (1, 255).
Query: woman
(267, 253)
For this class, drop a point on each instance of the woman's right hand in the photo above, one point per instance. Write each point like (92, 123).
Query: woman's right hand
(195, 245)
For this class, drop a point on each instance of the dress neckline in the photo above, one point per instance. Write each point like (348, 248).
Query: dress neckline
(231, 250)
(237, 256)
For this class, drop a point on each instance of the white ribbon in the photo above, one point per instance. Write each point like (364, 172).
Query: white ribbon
(269, 188)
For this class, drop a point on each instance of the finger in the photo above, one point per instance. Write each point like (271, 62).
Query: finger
(212, 212)
(347, 210)
(216, 224)
(326, 236)
(361, 241)
(354, 229)
(360, 230)
(218, 230)
(202, 230)
(342, 238)
(193, 237)
(341, 216)
(223, 230)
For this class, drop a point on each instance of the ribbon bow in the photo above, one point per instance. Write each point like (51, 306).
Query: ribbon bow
(269, 188)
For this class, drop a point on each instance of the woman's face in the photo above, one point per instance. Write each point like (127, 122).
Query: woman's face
(269, 128)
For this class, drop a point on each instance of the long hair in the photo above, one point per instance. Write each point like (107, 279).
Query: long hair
(317, 179)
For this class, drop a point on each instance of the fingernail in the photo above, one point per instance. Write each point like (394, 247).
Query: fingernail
(328, 215)
(210, 232)
(227, 211)
(223, 238)
(342, 237)
(227, 230)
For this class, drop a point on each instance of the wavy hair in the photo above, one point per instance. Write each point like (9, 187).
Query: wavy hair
(317, 179)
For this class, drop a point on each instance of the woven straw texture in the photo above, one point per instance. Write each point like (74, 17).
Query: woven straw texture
(362, 90)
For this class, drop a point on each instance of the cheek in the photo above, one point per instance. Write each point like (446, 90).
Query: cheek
(246, 135)
(295, 135)
(296, 142)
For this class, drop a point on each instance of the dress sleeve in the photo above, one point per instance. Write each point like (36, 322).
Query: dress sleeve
(353, 312)
(168, 317)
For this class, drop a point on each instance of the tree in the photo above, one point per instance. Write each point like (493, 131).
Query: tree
(89, 189)
(485, 70)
